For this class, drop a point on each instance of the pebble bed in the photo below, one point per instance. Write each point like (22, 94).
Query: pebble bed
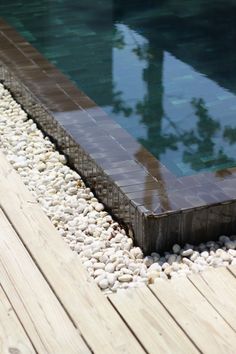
(103, 246)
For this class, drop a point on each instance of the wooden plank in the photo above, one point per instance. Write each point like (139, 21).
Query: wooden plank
(232, 269)
(13, 338)
(151, 323)
(44, 319)
(196, 316)
(99, 323)
(218, 286)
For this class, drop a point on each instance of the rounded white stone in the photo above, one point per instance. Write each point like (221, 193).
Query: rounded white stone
(232, 252)
(98, 207)
(103, 284)
(176, 248)
(148, 261)
(172, 258)
(155, 267)
(98, 272)
(194, 256)
(111, 279)
(110, 268)
(230, 245)
(187, 253)
(99, 266)
(125, 278)
(205, 254)
(187, 261)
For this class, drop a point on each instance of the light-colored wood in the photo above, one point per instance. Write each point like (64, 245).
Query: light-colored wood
(196, 316)
(44, 319)
(218, 286)
(99, 323)
(232, 270)
(151, 323)
(13, 338)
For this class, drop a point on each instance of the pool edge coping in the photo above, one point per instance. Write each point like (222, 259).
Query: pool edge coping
(34, 73)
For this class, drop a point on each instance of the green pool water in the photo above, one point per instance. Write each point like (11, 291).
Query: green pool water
(164, 70)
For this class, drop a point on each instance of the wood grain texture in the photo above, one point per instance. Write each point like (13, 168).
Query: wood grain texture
(196, 316)
(13, 338)
(218, 286)
(44, 319)
(232, 270)
(99, 323)
(151, 323)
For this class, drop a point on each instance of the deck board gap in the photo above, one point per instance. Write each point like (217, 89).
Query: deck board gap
(130, 328)
(212, 305)
(91, 311)
(18, 318)
(176, 321)
(25, 309)
(232, 270)
(41, 271)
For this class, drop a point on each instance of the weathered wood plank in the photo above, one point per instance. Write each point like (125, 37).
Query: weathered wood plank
(232, 270)
(218, 286)
(44, 319)
(13, 338)
(99, 323)
(151, 323)
(196, 316)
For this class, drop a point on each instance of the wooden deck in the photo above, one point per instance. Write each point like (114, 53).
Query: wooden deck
(48, 304)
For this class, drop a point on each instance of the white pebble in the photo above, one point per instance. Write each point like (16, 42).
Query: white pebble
(98, 207)
(99, 266)
(187, 253)
(103, 284)
(176, 248)
(110, 268)
(125, 278)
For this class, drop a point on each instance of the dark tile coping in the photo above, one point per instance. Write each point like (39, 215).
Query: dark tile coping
(158, 208)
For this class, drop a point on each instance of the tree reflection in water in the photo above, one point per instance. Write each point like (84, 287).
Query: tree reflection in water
(199, 149)
(202, 152)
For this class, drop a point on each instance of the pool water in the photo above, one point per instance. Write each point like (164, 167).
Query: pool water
(164, 70)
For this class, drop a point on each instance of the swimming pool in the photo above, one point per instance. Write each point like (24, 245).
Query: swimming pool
(165, 71)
